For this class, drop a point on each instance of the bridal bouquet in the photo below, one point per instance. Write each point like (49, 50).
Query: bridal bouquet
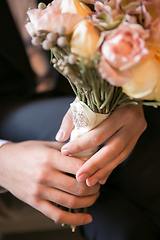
(109, 50)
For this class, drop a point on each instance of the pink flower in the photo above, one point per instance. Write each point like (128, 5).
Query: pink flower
(56, 15)
(122, 49)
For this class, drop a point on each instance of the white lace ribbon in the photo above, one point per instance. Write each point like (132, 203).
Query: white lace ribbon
(84, 119)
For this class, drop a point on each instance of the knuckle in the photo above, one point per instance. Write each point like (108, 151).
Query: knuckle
(71, 203)
(79, 146)
(141, 124)
(92, 200)
(36, 191)
(34, 202)
(46, 158)
(95, 166)
(95, 140)
(58, 217)
(81, 190)
(43, 161)
(41, 176)
(144, 125)
(79, 165)
(121, 158)
(116, 150)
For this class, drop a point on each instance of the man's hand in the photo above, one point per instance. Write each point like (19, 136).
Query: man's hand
(122, 130)
(35, 172)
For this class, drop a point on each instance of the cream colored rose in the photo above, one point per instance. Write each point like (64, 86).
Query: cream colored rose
(145, 81)
(155, 95)
(74, 7)
(84, 39)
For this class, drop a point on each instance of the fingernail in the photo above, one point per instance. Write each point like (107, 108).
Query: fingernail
(102, 182)
(82, 177)
(88, 220)
(94, 181)
(66, 151)
(59, 135)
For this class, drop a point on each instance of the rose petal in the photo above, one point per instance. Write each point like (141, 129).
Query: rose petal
(30, 29)
(69, 21)
(84, 39)
(51, 18)
(155, 95)
(144, 79)
(111, 75)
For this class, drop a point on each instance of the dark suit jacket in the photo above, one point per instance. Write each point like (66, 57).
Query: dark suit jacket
(16, 76)
(17, 79)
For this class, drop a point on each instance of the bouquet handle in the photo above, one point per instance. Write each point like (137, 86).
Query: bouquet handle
(84, 120)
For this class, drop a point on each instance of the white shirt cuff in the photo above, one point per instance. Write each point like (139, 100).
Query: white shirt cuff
(2, 142)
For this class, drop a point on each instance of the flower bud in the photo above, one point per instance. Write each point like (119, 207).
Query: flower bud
(52, 36)
(84, 39)
(36, 41)
(72, 59)
(46, 45)
(42, 6)
(62, 42)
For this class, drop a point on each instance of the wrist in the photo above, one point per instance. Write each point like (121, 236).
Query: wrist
(3, 142)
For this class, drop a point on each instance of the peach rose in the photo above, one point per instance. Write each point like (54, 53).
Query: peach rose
(121, 50)
(155, 94)
(55, 15)
(144, 79)
(84, 39)
(74, 7)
